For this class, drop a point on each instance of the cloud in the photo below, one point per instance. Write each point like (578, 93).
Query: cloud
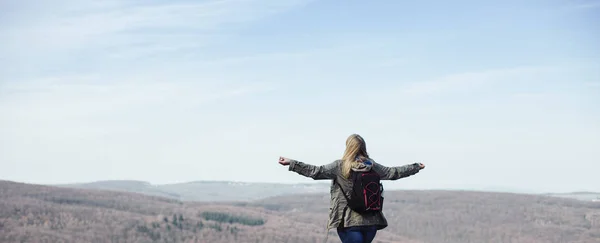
(163, 26)
(76, 98)
(556, 78)
(63, 45)
(470, 80)
(586, 5)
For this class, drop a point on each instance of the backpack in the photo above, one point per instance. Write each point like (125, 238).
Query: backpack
(367, 192)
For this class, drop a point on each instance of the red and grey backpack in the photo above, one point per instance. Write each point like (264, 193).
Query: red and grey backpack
(367, 192)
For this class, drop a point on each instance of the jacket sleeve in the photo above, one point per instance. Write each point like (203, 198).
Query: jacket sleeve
(397, 172)
(322, 172)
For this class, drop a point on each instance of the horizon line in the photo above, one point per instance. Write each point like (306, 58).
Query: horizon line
(489, 189)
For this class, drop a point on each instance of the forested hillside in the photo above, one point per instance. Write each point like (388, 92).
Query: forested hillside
(35, 213)
(463, 216)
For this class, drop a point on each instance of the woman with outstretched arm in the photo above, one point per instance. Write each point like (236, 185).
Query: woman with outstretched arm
(356, 200)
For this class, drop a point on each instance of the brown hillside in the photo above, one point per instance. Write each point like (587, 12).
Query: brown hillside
(463, 216)
(34, 213)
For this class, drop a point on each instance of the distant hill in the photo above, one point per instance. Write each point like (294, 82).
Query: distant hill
(584, 196)
(126, 186)
(206, 191)
(36, 213)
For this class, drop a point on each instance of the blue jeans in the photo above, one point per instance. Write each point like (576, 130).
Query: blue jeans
(357, 234)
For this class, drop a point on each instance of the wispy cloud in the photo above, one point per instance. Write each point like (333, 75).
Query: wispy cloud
(90, 35)
(83, 97)
(162, 26)
(472, 80)
(584, 5)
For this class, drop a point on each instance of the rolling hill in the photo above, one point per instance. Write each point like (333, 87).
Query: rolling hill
(205, 191)
(38, 213)
(584, 196)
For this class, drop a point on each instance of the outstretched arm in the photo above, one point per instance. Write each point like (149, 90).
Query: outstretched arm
(397, 172)
(322, 172)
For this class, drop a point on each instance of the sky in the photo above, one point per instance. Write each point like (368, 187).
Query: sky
(487, 94)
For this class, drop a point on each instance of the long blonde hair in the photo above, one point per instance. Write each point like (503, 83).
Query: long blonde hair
(356, 149)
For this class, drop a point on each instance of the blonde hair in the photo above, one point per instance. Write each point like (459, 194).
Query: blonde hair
(356, 150)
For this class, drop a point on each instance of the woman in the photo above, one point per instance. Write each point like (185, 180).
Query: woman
(351, 226)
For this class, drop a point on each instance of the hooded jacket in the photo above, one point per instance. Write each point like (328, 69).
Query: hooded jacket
(340, 215)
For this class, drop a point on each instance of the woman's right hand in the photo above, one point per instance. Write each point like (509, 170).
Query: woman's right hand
(284, 161)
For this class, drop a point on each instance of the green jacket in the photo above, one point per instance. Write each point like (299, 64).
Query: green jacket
(339, 214)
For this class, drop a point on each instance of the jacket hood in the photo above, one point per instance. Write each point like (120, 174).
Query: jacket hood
(364, 164)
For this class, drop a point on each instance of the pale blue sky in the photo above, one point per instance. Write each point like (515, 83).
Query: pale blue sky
(488, 94)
